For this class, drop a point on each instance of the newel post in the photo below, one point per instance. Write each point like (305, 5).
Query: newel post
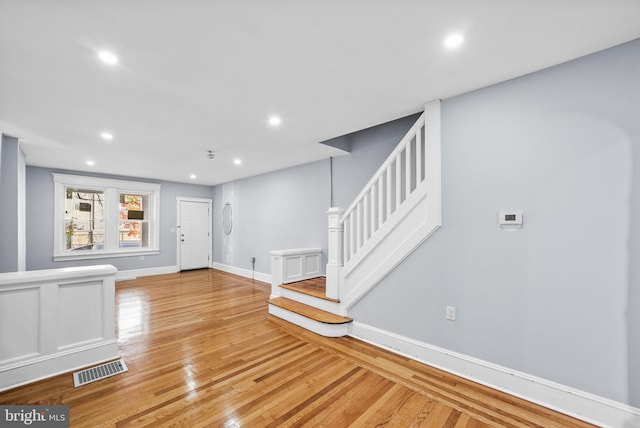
(277, 275)
(334, 252)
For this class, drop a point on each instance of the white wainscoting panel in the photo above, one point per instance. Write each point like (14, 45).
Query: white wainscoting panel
(80, 301)
(19, 323)
(293, 267)
(54, 321)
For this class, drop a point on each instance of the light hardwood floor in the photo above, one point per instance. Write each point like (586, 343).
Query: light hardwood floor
(203, 351)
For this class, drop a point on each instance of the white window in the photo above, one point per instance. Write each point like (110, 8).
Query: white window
(98, 217)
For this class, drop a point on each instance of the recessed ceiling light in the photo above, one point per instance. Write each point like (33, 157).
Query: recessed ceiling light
(275, 121)
(90, 163)
(108, 57)
(192, 176)
(107, 136)
(454, 40)
(237, 161)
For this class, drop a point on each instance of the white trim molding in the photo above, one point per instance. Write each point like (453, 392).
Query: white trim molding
(247, 273)
(124, 275)
(112, 189)
(580, 404)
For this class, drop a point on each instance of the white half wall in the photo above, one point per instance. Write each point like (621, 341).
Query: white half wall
(55, 320)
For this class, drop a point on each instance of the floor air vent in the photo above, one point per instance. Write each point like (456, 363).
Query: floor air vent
(99, 372)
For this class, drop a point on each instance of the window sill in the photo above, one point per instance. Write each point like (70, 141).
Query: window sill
(104, 254)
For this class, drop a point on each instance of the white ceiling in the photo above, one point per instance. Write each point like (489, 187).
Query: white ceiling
(198, 75)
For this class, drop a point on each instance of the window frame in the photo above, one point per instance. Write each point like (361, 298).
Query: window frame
(112, 189)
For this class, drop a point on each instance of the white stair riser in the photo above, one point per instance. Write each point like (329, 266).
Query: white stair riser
(323, 329)
(316, 302)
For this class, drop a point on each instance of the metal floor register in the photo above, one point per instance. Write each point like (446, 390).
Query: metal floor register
(99, 372)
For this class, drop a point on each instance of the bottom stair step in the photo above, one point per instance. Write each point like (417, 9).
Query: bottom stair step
(314, 319)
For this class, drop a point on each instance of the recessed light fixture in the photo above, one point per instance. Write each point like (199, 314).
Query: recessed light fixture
(107, 136)
(90, 163)
(192, 176)
(275, 121)
(108, 57)
(454, 41)
(237, 161)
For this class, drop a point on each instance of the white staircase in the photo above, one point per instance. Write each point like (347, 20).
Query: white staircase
(398, 209)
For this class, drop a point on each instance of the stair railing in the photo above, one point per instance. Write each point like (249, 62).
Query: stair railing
(391, 185)
(413, 164)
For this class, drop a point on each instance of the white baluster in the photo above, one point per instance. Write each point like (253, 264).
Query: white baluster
(398, 180)
(358, 225)
(366, 220)
(389, 191)
(408, 170)
(352, 244)
(346, 230)
(374, 207)
(380, 202)
(419, 156)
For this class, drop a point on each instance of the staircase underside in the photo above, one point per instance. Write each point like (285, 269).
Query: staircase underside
(309, 316)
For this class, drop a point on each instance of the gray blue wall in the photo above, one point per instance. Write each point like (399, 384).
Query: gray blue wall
(368, 149)
(279, 210)
(12, 205)
(287, 208)
(559, 298)
(40, 225)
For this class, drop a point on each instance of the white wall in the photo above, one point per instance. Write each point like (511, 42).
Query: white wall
(556, 298)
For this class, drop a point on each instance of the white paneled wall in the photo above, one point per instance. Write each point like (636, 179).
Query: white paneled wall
(55, 320)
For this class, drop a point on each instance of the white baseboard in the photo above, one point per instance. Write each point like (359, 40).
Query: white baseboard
(52, 365)
(582, 405)
(247, 273)
(123, 275)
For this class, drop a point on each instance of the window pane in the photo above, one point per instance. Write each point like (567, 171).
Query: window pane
(84, 219)
(131, 232)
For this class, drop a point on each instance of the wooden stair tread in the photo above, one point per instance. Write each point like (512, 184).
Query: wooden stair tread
(308, 311)
(315, 287)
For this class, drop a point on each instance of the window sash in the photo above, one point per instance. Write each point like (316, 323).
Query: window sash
(112, 190)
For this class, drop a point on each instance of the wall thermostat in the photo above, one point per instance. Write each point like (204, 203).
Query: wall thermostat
(510, 218)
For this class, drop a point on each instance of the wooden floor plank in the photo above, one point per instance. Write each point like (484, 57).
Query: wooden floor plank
(203, 351)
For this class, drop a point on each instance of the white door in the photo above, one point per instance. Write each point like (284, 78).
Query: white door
(194, 231)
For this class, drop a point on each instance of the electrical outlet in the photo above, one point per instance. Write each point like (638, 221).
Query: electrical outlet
(451, 313)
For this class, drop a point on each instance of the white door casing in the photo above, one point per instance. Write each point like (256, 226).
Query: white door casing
(194, 233)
